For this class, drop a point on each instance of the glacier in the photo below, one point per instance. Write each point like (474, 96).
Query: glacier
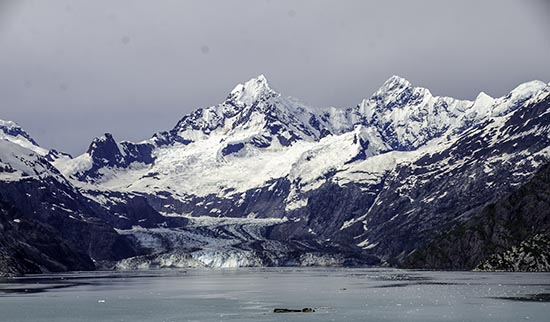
(264, 180)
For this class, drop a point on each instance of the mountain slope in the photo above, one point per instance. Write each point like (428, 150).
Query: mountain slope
(262, 179)
(517, 220)
(47, 225)
(27, 246)
(446, 186)
(379, 179)
(269, 137)
(10, 131)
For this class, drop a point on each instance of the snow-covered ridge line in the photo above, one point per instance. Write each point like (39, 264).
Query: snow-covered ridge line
(257, 135)
(263, 180)
(11, 131)
(18, 162)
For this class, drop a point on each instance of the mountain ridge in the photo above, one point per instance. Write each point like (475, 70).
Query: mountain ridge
(267, 180)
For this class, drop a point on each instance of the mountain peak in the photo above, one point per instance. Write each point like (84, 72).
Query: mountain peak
(393, 88)
(483, 103)
(484, 99)
(8, 124)
(260, 78)
(102, 142)
(11, 131)
(396, 82)
(252, 90)
(397, 91)
(530, 87)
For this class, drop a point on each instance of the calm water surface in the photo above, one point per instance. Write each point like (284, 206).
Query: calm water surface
(252, 294)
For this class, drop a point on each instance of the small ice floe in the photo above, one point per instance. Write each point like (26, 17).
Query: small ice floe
(17, 220)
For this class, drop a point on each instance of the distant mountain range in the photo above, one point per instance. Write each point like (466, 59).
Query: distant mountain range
(404, 178)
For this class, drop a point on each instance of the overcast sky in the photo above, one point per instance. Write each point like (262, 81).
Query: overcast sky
(72, 70)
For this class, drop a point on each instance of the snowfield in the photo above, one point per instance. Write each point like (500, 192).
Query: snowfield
(264, 180)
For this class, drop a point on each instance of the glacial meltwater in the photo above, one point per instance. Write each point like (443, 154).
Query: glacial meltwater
(252, 295)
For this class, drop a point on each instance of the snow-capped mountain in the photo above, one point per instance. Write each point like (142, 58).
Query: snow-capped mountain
(10, 131)
(262, 179)
(45, 223)
(255, 114)
(257, 136)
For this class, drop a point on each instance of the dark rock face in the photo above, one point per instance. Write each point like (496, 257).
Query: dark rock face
(328, 208)
(48, 225)
(66, 211)
(53, 155)
(105, 152)
(124, 210)
(532, 255)
(520, 220)
(28, 246)
(232, 148)
(266, 202)
(105, 149)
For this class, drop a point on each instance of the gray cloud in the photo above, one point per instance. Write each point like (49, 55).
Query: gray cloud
(72, 70)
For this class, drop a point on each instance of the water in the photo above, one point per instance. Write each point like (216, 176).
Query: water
(251, 295)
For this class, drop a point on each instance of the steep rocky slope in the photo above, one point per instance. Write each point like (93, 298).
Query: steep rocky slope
(262, 179)
(46, 224)
(509, 234)
(377, 180)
